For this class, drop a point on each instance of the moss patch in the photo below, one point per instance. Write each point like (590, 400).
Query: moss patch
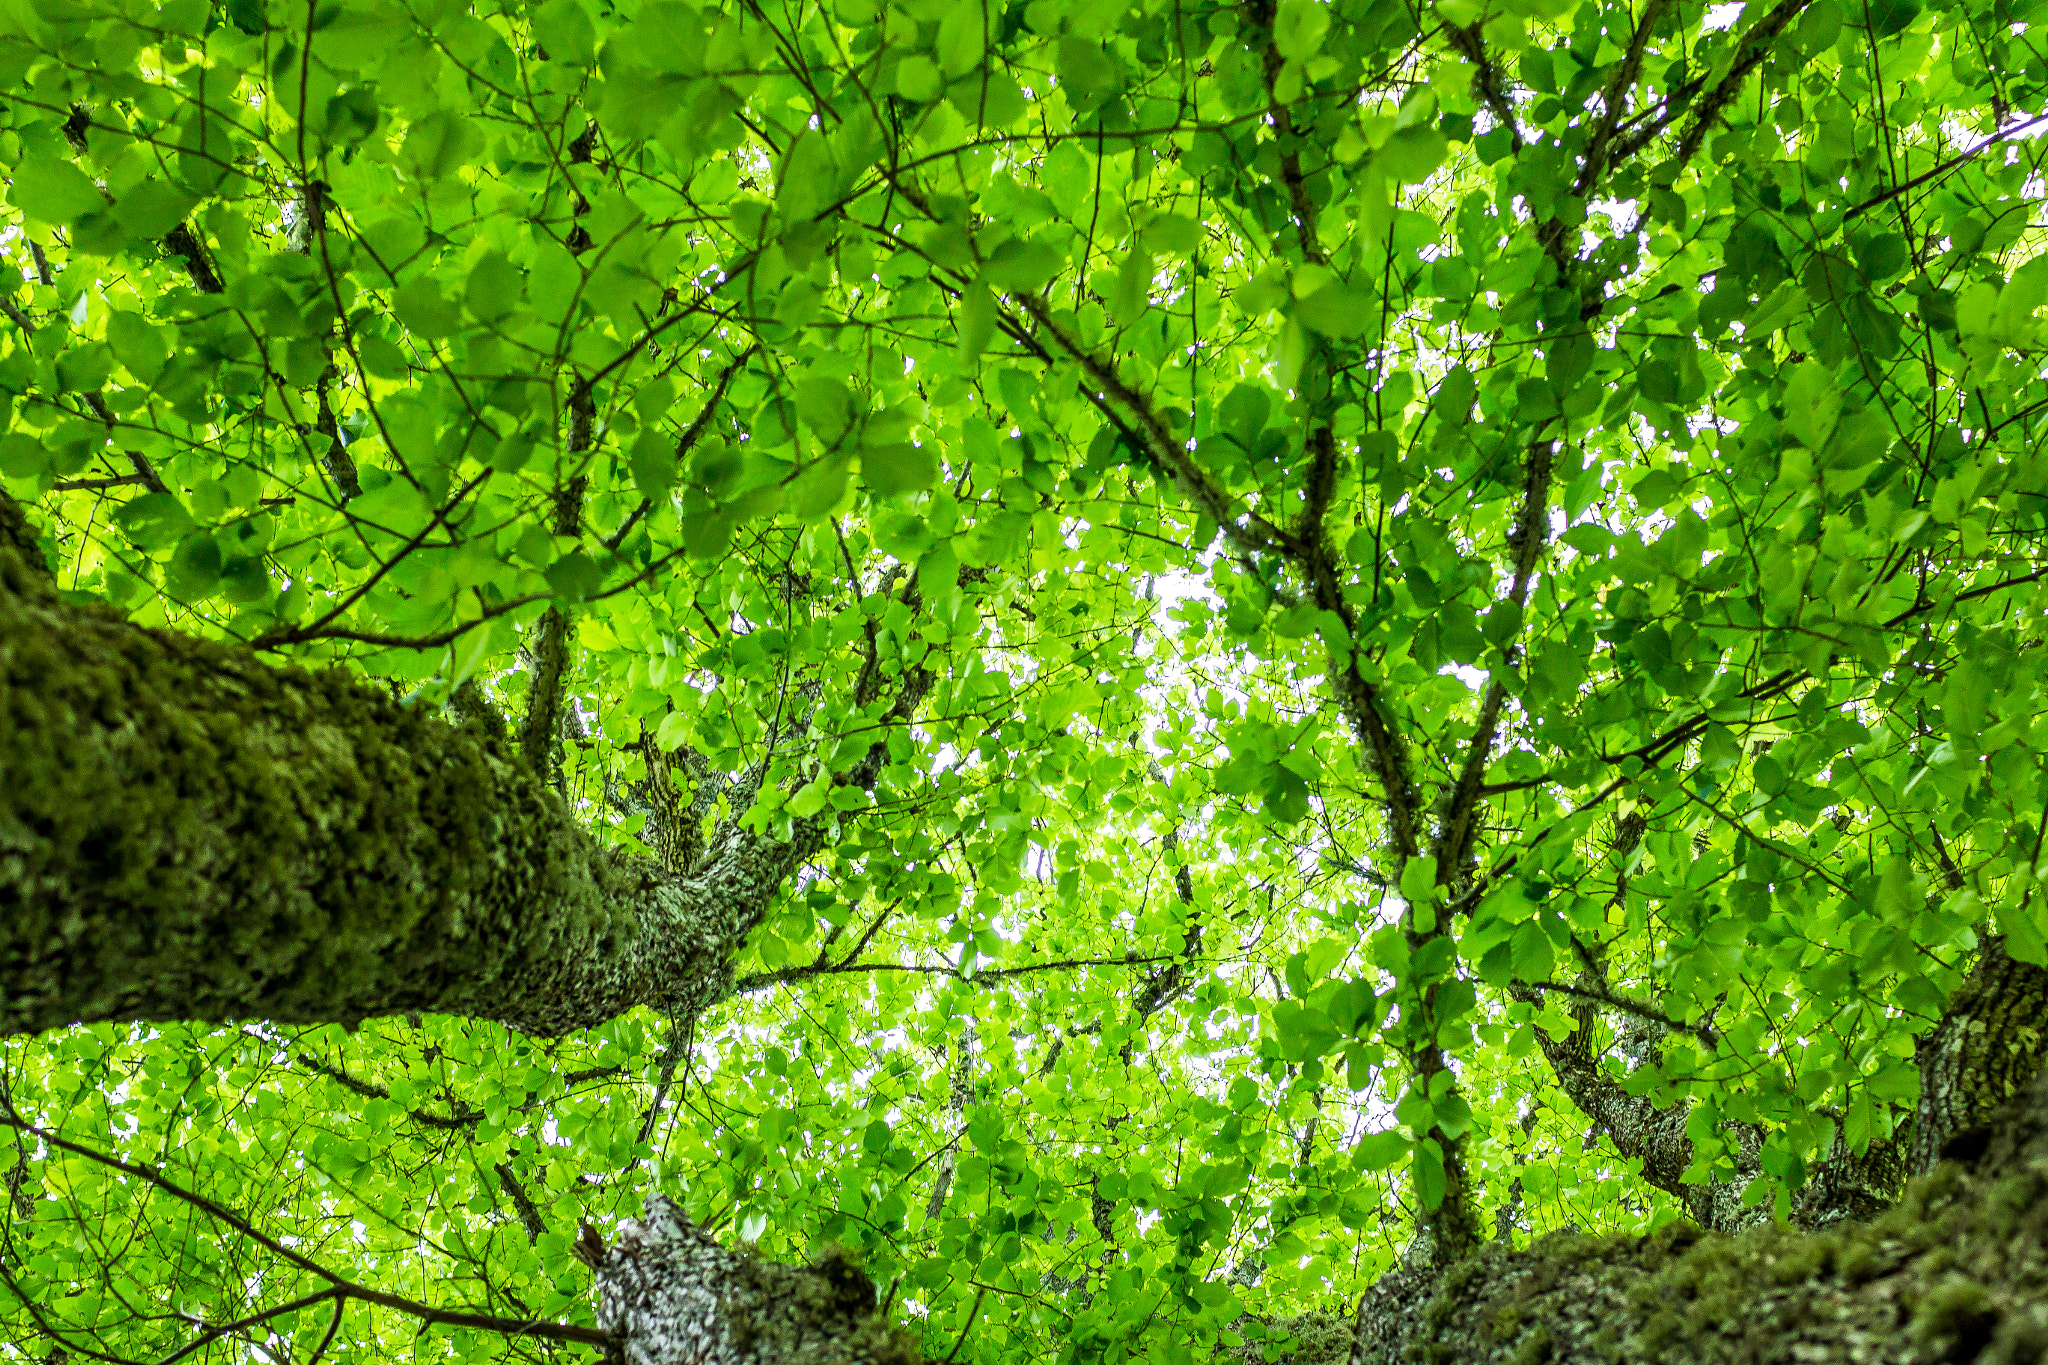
(187, 832)
(1957, 1271)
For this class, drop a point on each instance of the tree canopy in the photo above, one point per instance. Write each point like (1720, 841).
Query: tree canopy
(1126, 664)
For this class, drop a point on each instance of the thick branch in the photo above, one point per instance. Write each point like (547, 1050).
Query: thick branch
(1165, 985)
(182, 242)
(1988, 1046)
(188, 833)
(529, 1216)
(1612, 101)
(1531, 533)
(339, 1286)
(1851, 1293)
(1247, 530)
(688, 441)
(1991, 1041)
(1486, 77)
(958, 1097)
(1640, 1130)
(335, 458)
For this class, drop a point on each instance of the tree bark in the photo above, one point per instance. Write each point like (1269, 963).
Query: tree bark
(1991, 1040)
(671, 1295)
(187, 832)
(1956, 1271)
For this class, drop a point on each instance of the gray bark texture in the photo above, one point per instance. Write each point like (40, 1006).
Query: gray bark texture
(671, 1295)
(188, 832)
(1957, 1270)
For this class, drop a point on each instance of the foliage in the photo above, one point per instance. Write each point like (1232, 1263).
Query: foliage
(1504, 497)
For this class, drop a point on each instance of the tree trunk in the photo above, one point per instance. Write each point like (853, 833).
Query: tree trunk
(1956, 1271)
(187, 832)
(673, 1296)
(1991, 1040)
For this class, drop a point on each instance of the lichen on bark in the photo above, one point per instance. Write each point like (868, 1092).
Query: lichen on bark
(673, 1296)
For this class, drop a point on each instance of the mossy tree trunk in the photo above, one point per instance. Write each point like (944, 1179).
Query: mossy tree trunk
(1957, 1270)
(187, 832)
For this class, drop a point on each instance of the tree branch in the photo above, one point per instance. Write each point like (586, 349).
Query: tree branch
(338, 1285)
(539, 729)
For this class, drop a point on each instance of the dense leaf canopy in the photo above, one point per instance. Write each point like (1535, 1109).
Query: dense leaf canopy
(1472, 573)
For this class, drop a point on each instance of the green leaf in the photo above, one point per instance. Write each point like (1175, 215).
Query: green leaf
(888, 470)
(918, 79)
(826, 405)
(53, 191)
(1897, 1083)
(151, 209)
(653, 461)
(382, 358)
(575, 576)
(1812, 404)
(1898, 897)
(244, 580)
(1021, 265)
(494, 287)
(1430, 1182)
(565, 31)
(1887, 17)
(811, 798)
(1174, 234)
(1337, 310)
(1298, 28)
(1381, 1151)
(1304, 1032)
(153, 520)
(23, 457)
(420, 306)
(1089, 74)
(1532, 960)
(673, 732)
(961, 41)
(1455, 395)
(1129, 295)
(440, 144)
(1418, 879)
(195, 567)
(976, 320)
(1413, 153)
(1882, 256)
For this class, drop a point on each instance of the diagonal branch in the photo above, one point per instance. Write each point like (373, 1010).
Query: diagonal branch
(1486, 77)
(687, 441)
(468, 887)
(338, 1285)
(1593, 163)
(529, 1216)
(1749, 53)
